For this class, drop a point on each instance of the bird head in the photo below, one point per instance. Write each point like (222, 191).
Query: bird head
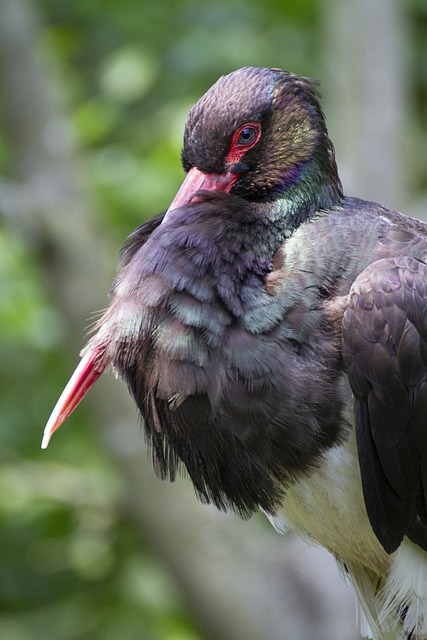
(259, 134)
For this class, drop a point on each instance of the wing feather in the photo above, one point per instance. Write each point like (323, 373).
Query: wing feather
(384, 339)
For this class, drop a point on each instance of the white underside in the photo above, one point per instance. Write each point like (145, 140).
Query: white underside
(327, 507)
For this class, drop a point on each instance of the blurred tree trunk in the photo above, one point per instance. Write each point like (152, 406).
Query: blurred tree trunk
(241, 580)
(365, 46)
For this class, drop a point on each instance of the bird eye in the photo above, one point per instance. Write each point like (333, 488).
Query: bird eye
(247, 136)
(243, 139)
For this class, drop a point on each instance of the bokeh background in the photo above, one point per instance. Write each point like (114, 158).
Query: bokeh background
(93, 99)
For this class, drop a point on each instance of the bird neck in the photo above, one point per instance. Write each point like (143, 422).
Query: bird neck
(295, 207)
(316, 188)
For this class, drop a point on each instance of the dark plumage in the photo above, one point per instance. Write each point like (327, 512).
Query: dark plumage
(243, 318)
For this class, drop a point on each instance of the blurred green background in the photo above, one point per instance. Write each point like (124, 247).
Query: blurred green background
(93, 99)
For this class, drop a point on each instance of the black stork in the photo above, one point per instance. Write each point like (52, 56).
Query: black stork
(273, 334)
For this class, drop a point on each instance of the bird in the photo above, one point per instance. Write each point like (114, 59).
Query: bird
(272, 332)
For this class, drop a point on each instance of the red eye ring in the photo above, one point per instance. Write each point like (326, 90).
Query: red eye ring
(244, 138)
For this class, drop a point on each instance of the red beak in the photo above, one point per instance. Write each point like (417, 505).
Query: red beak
(86, 374)
(196, 181)
(91, 366)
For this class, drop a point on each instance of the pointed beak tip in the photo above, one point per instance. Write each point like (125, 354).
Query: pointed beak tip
(51, 426)
(86, 374)
(45, 441)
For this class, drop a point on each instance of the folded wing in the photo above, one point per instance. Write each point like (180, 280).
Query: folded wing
(385, 352)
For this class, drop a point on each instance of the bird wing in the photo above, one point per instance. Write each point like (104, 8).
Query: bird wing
(384, 339)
